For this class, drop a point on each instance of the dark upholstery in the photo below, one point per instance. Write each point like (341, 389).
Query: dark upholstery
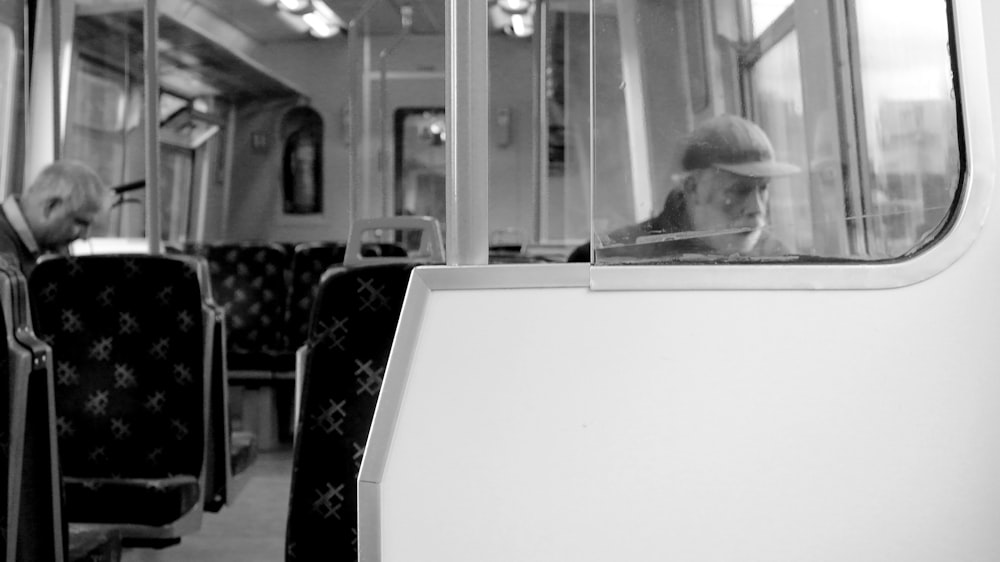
(308, 265)
(93, 544)
(128, 349)
(10, 465)
(140, 501)
(249, 281)
(221, 462)
(350, 336)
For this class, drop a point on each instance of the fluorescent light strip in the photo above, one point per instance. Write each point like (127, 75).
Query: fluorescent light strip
(319, 26)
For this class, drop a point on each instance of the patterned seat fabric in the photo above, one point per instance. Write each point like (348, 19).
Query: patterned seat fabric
(128, 351)
(308, 265)
(249, 281)
(350, 336)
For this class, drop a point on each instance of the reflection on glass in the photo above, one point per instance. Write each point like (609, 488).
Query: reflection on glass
(8, 66)
(910, 121)
(778, 109)
(861, 164)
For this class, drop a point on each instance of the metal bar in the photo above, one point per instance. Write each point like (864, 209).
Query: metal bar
(467, 161)
(57, 96)
(227, 174)
(540, 122)
(151, 32)
(592, 114)
(356, 77)
(406, 23)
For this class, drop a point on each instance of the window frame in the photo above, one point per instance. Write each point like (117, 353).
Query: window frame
(975, 191)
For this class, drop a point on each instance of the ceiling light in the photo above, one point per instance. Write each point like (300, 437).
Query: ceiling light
(318, 26)
(328, 14)
(515, 6)
(521, 25)
(295, 6)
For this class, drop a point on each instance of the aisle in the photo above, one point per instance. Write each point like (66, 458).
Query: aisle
(250, 530)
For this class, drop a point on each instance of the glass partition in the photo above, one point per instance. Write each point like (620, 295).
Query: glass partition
(795, 157)
(9, 60)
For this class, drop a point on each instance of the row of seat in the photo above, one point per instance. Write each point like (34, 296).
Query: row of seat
(134, 370)
(267, 290)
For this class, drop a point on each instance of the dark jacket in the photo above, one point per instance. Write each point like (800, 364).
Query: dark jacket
(13, 248)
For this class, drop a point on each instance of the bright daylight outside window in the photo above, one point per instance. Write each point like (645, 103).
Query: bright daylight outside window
(794, 158)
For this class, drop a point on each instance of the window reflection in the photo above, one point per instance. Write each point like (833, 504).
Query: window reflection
(875, 145)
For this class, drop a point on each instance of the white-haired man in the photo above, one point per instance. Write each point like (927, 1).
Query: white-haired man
(57, 208)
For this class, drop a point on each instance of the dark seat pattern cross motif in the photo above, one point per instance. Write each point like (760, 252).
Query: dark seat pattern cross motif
(128, 349)
(308, 264)
(350, 334)
(249, 280)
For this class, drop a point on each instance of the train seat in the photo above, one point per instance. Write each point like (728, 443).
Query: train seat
(33, 492)
(130, 353)
(309, 261)
(229, 453)
(249, 280)
(350, 334)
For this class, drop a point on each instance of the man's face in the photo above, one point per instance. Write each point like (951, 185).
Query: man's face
(731, 210)
(61, 225)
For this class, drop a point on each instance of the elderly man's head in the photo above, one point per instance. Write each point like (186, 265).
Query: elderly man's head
(62, 202)
(728, 163)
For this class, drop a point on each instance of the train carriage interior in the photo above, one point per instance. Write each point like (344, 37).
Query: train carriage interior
(503, 280)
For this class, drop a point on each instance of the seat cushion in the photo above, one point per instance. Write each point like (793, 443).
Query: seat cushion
(94, 544)
(274, 361)
(138, 501)
(242, 450)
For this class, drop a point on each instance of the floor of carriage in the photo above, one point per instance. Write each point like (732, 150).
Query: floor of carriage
(252, 529)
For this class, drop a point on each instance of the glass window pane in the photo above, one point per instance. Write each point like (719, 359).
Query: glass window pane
(778, 109)
(910, 121)
(764, 12)
(8, 94)
(794, 159)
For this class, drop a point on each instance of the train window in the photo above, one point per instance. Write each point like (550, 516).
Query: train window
(796, 157)
(8, 94)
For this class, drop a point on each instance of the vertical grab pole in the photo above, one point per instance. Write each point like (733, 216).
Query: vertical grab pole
(406, 23)
(540, 121)
(357, 77)
(467, 160)
(151, 32)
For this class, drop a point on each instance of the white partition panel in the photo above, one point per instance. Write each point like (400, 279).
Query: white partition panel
(557, 423)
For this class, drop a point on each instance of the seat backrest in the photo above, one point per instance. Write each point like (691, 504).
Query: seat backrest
(249, 281)
(34, 528)
(308, 264)
(218, 472)
(350, 334)
(430, 250)
(129, 355)
(13, 402)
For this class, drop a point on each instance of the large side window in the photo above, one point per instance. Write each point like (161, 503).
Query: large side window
(830, 131)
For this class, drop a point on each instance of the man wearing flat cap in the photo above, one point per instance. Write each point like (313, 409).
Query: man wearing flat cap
(720, 207)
